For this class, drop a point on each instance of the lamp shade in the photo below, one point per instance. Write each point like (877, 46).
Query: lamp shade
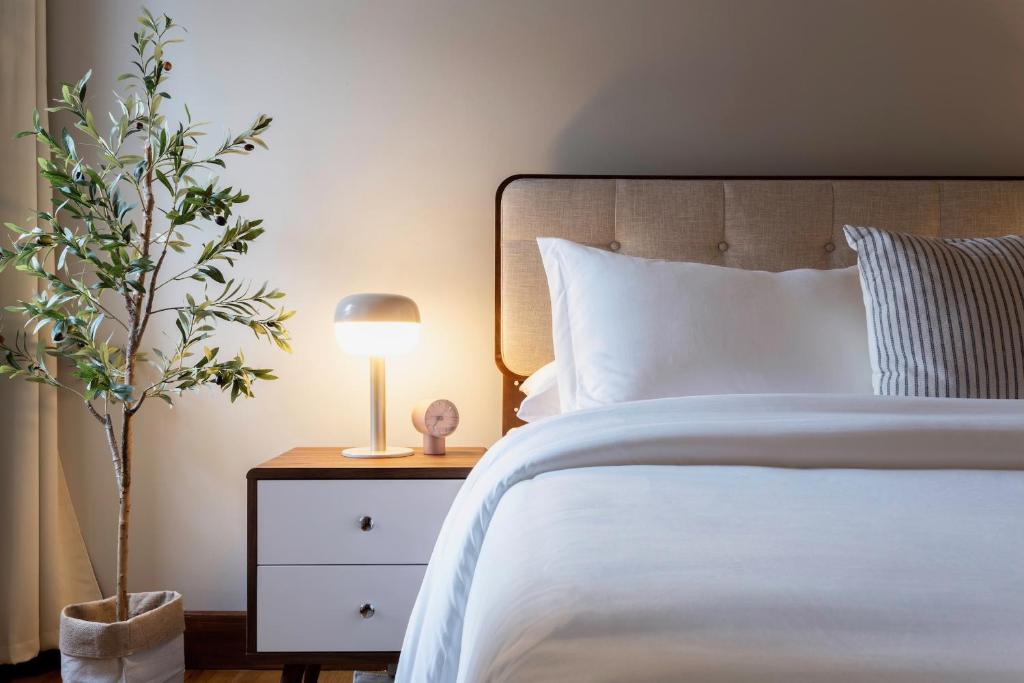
(373, 324)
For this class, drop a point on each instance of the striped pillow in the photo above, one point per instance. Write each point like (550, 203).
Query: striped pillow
(945, 316)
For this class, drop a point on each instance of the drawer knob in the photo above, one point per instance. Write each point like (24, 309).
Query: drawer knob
(366, 522)
(367, 610)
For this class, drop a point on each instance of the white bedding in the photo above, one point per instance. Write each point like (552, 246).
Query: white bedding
(710, 558)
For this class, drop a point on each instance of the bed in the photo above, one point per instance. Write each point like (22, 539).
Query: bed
(732, 537)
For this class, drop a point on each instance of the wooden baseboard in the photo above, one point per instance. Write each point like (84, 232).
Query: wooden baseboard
(215, 640)
(43, 663)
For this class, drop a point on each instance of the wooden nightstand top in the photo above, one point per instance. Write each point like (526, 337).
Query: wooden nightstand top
(328, 463)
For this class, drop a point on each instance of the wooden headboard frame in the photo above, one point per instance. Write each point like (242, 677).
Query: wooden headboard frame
(761, 209)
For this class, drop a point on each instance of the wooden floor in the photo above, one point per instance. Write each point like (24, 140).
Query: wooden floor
(220, 677)
(259, 677)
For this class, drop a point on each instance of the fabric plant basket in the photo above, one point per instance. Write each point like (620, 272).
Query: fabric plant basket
(148, 647)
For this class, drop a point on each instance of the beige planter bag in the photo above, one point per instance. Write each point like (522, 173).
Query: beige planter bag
(147, 648)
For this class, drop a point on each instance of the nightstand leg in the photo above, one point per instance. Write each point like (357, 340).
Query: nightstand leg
(312, 673)
(292, 673)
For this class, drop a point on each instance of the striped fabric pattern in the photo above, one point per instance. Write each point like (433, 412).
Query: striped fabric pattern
(945, 316)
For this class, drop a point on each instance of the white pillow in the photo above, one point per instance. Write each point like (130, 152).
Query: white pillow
(628, 328)
(541, 390)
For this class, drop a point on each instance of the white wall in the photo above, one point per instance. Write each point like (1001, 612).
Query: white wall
(395, 120)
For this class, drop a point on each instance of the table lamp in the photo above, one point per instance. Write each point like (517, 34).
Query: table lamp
(377, 325)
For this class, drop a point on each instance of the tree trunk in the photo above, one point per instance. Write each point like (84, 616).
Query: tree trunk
(124, 512)
(136, 328)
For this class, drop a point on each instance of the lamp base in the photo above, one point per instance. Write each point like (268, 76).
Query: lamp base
(368, 452)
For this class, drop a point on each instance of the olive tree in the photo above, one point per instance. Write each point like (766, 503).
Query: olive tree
(124, 200)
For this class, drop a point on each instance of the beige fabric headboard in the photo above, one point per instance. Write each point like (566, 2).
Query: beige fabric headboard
(755, 223)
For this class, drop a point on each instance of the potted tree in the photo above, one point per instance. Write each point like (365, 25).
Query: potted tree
(138, 238)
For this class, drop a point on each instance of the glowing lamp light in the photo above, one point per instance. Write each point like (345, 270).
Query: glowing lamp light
(377, 325)
(376, 338)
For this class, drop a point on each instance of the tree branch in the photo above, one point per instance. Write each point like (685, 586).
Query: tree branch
(109, 313)
(138, 404)
(115, 452)
(153, 287)
(168, 308)
(147, 233)
(55, 277)
(51, 379)
(95, 413)
(135, 310)
(176, 277)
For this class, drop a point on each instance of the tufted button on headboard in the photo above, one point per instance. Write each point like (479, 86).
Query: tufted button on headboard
(754, 223)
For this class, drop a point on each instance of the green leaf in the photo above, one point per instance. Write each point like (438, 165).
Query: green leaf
(122, 392)
(162, 177)
(213, 273)
(83, 83)
(69, 144)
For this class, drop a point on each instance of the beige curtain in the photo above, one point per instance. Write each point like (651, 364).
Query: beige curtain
(43, 561)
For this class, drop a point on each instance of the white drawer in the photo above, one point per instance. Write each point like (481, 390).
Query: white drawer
(316, 609)
(318, 521)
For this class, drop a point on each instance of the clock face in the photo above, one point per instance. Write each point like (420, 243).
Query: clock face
(441, 418)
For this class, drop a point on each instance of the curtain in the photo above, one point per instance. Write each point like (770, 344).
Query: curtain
(43, 561)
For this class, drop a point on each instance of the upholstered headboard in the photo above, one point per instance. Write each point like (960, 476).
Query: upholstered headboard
(742, 222)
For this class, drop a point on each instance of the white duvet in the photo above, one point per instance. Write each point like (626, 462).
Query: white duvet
(736, 538)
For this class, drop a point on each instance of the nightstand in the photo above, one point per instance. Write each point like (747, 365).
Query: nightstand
(337, 549)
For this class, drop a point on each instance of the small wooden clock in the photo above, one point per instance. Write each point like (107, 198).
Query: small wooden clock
(435, 420)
